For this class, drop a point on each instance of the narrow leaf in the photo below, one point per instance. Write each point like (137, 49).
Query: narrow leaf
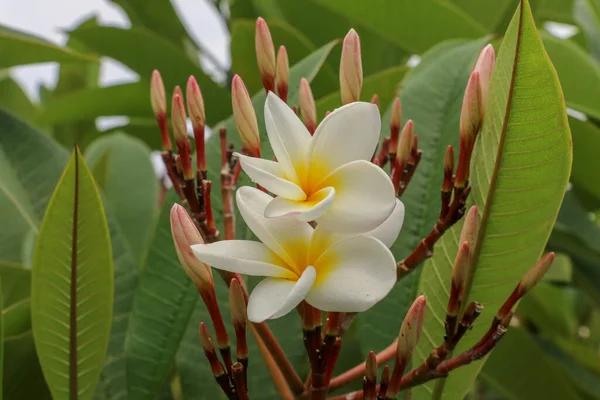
(72, 285)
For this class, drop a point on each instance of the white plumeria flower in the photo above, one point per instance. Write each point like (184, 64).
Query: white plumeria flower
(332, 272)
(327, 177)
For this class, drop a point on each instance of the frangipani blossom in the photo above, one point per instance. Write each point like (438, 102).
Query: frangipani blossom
(327, 177)
(332, 272)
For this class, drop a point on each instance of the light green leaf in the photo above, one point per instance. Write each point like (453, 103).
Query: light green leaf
(144, 129)
(72, 285)
(408, 23)
(520, 370)
(119, 163)
(520, 169)
(579, 74)
(17, 319)
(587, 15)
(18, 48)
(554, 10)
(490, 15)
(586, 148)
(15, 100)
(143, 51)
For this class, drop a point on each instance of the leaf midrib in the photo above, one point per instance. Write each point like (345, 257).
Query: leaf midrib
(73, 295)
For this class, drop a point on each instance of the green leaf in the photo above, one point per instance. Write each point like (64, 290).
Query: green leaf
(385, 84)
(554, 10)
(551, 308)
(131, 99)
(143, 51)
(579, 74)
(586, 147)
(490, 15)
(520, 169)
(17, 48)
(14, 99)
(23, 378)
(431, 96)
(521, 370)
(410, 26)
(120, 163)
(15, 280)
(587, 14)
(72, 285)
(30, 165)
(17, 318)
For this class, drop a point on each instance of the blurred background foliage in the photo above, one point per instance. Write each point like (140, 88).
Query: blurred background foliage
(553, 353)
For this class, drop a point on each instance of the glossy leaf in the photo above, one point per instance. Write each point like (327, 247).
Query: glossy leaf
(72, 285)
(586, 148)
(521, 165)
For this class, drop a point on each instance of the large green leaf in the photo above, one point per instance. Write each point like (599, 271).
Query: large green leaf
(587, 15)
(521, 165)
(119, 162)
(16, 281)
(579, 74)
(72, 285)
(533, 376)
(431, 96)
(30, 165)
(490, 15)
(17, 48)
(14, 99)
(408, 23)
(143, 51)
(586, 147)
(23, 378)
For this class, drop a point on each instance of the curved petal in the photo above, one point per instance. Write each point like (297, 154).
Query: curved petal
(244, 257)
(288, 136)
(364, 198)
(353, 275)
(348, 134)
(269, 175)
(273, 298)
(286, 236)
(322, 239)
(389, 230)
(308, 210)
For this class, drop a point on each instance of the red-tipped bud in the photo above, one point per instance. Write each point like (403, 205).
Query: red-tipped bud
(375, 100)
(185, 234)
(209, 350)
(459, 274)
(384, 382)
(395, 123)
(470, 116)
(411, 329)
(470, 227)
(282, 73)
(485, 66)
(177, 91)
(244, 116)
(178, 119)
(237, 303)
(371, 367)
(536, 273)
(405, 143)
(195, 105)
(448, 169)
(307, 106)
(351, 75)
(265, 54)
(159, 107)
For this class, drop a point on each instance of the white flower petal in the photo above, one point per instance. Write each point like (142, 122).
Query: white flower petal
(288, 136)
(389, 230)
(308, 210)
(353, 275)
(349, 133)
(364, 198)
(287, 237)
(269, 175)
(323, 239)
(244, 257)
(273, 298)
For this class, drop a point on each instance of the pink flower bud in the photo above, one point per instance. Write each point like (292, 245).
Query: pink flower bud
(265, 54)
(485, 65)
(157, 94)
(185, 234)
(307, 106)
(178, 120)
(536, 273)
(244, 116)
(351, 76)
(395, 124)
(283, 73)
(470, 227)
(195, 103)
(405, 143)
(470, 116)
(411, 328)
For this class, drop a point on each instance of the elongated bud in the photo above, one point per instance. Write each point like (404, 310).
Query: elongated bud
(237, 303)
(195, 105)
(375, 100)
(185, 234)
(307, 106)
(370, 381)
(265, 54)
(485, 66)
(470, 117)
(384, 381)
(159, 107)
(245, 117)
(459, 274)
(536, 273)
(215, 365)
(177, 91)
(470, 227)
(411, 328)
(405, 142)
(178, 119)
(351, 76)
(283, 73)
(395, 124)
(448, 169)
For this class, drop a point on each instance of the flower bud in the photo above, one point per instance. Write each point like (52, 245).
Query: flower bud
(237, 303)
(448, 169)
(405, 143)
(470, 227)
(395, 123)
(159, 107)
(265, 54)
(185, 234)
(485, 65)
(459, 275)
(244, 116)
(195, 105)
(536, 273)
(371, 367)
(307, 106)
(470, 116)
(351, 76)
(179, 122)
(283, 73)
(375, 100)
(411, 328)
